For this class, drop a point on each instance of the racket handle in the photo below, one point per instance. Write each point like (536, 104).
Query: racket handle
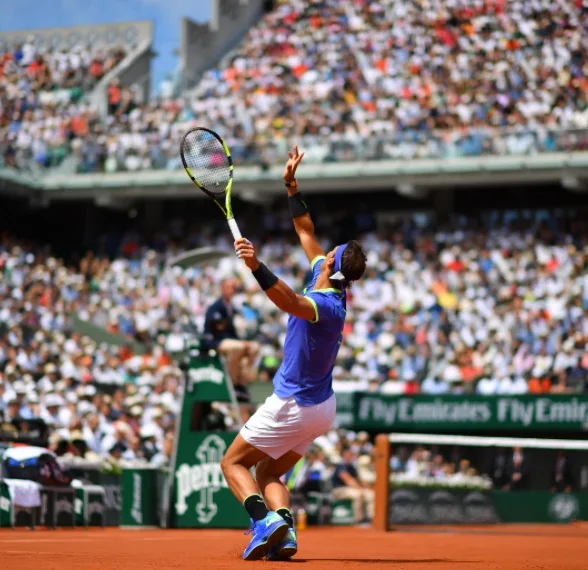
(234, 228)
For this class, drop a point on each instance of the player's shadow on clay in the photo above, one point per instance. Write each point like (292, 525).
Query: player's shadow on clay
(380, 560)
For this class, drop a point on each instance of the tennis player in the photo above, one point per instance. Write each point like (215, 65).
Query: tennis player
(302, 406)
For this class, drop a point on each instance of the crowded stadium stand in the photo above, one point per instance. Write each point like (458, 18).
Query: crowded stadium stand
(359, 80)
(58, 86)
(493, 308)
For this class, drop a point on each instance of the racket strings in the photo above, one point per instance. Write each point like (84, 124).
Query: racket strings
(206, 158)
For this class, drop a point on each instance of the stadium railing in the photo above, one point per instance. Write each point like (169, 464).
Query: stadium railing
(384, 175)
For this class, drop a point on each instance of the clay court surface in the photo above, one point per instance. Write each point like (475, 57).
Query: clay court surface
(504, 547)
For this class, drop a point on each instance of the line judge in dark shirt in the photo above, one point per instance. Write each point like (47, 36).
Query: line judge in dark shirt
(221, 335)
(346, 485)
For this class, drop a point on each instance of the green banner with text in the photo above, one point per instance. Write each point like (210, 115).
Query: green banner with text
(469, 413)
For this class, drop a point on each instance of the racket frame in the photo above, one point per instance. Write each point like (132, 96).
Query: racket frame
(227, 209)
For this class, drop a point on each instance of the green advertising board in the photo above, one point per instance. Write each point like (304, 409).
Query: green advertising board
(344, 415)
(422, 506)
(413, 505)
(201, 496)
(540, 506)
(6, 513)
(469, 413)
(140, 497)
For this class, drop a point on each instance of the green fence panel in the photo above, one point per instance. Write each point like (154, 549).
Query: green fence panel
(89, 505)
(540, 506)
(417, 505)
(412, 505)
(6, 516)
(140, 497)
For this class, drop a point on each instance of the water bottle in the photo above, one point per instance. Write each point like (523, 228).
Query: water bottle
(300, 519)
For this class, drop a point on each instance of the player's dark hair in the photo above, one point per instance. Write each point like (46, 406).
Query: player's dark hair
(353, 261)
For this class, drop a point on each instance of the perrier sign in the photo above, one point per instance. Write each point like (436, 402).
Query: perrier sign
(201, 496)
(206, 379)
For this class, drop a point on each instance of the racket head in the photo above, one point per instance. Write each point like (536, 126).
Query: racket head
(207, 161)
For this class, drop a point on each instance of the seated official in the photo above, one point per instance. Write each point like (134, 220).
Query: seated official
(220, 334)
(346, 485)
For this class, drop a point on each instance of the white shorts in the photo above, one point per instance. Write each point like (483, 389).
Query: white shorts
(280, 425)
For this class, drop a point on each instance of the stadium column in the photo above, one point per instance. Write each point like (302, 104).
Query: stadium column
(382, 485)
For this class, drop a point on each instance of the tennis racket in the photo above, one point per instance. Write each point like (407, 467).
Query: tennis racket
(207, 161)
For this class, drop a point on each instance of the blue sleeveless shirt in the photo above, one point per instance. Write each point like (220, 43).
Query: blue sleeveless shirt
(311, 347)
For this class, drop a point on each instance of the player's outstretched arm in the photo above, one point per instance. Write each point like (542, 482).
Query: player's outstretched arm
(276, 290)
(298, 209)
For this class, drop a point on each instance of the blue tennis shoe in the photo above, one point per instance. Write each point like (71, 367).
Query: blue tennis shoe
(285, 549)
(266, 533)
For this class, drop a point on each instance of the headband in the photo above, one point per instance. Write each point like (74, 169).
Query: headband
(337, 273)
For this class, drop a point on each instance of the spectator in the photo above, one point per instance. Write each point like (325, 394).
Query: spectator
(309, 474)
(517, 470)
(434, 385)
(12, 410)
(163, 458)
(346, 485)
(464, 473)
(115, 453)
(93, 433)
(499, 472)
(562, 479)
(148, 436)
(437, 471)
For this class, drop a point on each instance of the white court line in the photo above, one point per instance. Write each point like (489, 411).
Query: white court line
(24, 540)
(95, 537)
(87, 539)
(35, 552)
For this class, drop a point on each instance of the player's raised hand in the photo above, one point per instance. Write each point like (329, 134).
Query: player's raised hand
(294, 159)
(245, 250)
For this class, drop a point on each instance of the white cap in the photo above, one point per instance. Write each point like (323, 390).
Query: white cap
(71, 397)
(19, 387)
(53, 400)
(148, 431)
(85, 408)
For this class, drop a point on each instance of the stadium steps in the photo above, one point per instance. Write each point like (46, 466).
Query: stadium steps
(99, 95)
(68, 166)
(101, 336)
